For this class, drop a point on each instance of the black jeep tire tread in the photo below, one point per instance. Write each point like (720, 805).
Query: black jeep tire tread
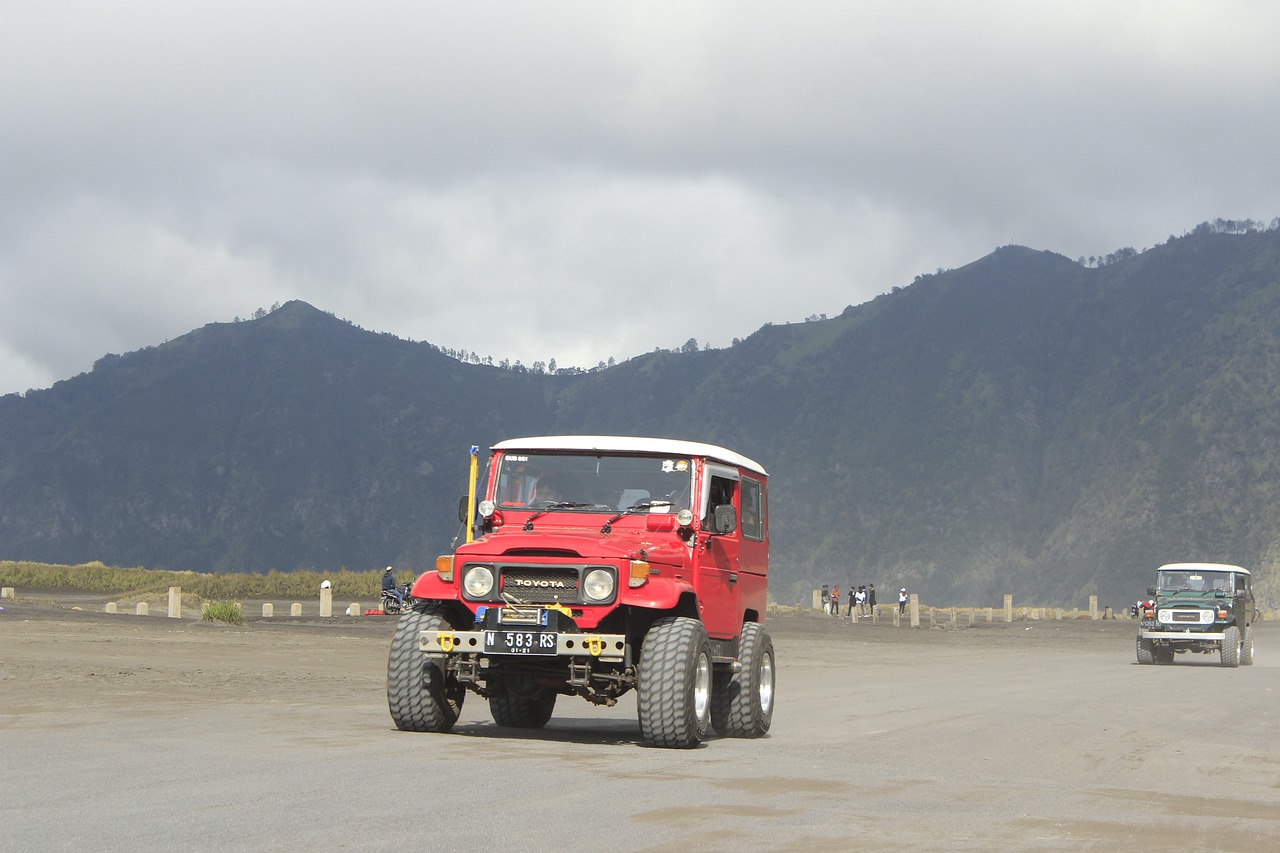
(519, 712)
(420, 696)
(1231, 646)
(673, 651)
(1146, 651)
(1246, 646)
(738, 699)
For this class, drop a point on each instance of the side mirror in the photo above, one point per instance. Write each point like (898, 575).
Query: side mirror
(1151, 591)
(462, 510)
(726, 519)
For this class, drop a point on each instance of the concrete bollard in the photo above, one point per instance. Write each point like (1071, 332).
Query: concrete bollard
(354, 609)
(897, 618)
(268, 610)
(326, 602)
(111, 607)
(1093, 607)
(913, 605)
(295, 609)
(1106, 614)
(142, 609)
(1008, 608)
(175, 602)
(7, 592)
(817, 599)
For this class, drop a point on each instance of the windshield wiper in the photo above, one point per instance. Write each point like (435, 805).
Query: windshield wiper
(634, 508)
(528, 523)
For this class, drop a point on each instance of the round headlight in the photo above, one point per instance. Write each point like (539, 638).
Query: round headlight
(684, 517)
(598, 584)
(478, 581)
(486, 509)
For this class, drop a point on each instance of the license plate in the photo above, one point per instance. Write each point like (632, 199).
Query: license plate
(504, 642)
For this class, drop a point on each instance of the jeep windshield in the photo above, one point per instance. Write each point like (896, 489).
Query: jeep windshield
(573, 482)
(1193, 581)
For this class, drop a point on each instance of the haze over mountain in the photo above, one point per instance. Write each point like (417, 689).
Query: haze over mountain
(1024, 424)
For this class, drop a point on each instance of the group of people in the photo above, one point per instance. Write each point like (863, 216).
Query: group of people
(861, 600)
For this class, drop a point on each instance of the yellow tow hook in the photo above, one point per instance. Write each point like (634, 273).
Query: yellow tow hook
(447, 640)
(595, 645)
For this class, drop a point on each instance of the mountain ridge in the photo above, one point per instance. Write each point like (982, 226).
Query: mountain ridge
(1020, 424)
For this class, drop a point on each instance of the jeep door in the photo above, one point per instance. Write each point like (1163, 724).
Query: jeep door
(718, 554)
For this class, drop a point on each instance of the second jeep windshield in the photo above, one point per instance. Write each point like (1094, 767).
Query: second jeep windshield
(1198, 581)
(594, 483)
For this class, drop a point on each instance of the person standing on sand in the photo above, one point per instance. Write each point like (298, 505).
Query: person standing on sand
(835, 601)
(852, 596)
(861, 599)
(826, 599)
(871, 599)
(902, 601)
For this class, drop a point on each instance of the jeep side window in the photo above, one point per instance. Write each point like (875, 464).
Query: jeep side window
(1241, 585)
(752, 510)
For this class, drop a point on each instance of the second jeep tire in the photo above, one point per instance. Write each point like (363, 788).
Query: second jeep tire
(1146, 651)
(1231, 646)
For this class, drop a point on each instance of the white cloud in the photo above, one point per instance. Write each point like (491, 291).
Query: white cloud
(581, 180)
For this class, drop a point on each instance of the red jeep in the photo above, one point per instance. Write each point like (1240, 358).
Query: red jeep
(600, 564)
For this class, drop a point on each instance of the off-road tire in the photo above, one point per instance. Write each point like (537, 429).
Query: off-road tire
(1231, 646)
(420, 696)
(1146, 651)
(1246, 646)
(742, 702)
(674, 702)
(518, 712)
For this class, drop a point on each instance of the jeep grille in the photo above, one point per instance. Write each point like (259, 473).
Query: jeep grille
(541, 584)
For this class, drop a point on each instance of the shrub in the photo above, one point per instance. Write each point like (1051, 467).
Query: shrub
(223, 611)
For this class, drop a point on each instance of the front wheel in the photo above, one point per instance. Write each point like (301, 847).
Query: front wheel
(1146, 651)
(674, 702)
(420, 695)
(1246, 646)
(742, 702)
(1231, 646)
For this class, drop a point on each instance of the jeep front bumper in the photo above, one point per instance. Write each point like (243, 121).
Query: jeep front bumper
(1184, 636)
(605, 647)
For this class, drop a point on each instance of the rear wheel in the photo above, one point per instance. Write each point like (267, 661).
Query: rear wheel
(420, 696)
(674, 701)
(1246, 646)
(742, 702)
(1231, 646)
(522, 704)
(1146, 651)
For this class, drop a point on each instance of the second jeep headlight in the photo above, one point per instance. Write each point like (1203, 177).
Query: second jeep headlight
(478, 581)
(598, 585)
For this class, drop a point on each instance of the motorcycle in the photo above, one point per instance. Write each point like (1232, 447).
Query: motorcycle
(396, 600)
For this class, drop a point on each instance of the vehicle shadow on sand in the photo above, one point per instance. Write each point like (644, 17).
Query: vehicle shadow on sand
(588, 731)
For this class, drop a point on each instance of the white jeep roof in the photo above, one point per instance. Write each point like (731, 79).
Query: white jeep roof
(1201, 567)
(630, 444)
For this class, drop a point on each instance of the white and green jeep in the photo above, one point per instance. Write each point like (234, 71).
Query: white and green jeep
(1198, 607)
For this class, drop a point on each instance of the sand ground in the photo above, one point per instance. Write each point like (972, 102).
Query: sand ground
(127, 732)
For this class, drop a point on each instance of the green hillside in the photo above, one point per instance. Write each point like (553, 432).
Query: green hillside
(1023, 424)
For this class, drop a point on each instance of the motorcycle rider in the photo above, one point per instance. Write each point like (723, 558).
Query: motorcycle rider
(389, 586)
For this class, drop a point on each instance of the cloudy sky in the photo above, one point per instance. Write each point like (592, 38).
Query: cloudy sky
(580, 180)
